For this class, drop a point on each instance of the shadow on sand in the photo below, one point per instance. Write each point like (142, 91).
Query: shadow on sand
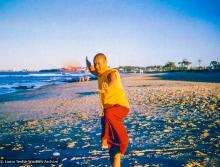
(86, 93)
(213, 77)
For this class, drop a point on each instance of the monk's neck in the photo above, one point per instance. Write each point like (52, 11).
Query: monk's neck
(106, 69)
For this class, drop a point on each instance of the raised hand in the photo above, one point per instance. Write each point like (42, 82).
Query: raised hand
(88, 63)
(90, 67)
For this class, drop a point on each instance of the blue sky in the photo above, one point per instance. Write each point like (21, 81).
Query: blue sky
(39, 34)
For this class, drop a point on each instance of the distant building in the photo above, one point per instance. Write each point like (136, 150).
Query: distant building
(121, 70)
(72, 69)
(141, 71)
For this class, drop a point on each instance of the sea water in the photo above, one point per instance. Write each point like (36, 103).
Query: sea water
(16, 81)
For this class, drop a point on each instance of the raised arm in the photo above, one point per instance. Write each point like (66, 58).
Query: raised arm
(90, 67)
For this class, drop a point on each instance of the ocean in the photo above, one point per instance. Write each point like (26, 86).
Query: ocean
(19, 81)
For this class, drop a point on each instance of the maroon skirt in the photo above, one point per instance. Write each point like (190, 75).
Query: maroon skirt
(112, 128)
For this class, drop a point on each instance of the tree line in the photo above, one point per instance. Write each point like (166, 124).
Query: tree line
(183, 65)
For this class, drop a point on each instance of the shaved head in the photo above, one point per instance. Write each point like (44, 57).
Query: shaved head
(100, 55)
(100, 63)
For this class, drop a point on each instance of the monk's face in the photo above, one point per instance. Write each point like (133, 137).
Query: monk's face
(100, 64)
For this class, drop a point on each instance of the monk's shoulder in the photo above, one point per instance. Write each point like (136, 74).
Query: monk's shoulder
(113, 73)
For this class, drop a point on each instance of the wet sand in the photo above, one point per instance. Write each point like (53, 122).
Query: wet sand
(171, 123)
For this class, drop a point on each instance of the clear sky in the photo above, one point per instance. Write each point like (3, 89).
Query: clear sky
(42, 34)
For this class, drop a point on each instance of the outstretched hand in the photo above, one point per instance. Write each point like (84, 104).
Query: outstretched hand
(105, 88)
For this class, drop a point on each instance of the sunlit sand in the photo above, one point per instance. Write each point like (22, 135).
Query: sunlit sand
(171, 122)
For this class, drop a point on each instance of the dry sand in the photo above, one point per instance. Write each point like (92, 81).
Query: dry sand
(170, 123)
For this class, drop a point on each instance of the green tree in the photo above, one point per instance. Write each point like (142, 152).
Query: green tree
(184, 65)
(199, 61)
(127, 68)
(214, 65)
(170, 66)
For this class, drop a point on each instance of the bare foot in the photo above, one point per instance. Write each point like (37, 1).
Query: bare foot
(117, 160)
(104, 143)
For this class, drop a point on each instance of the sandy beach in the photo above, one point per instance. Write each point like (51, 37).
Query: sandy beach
(171, 123)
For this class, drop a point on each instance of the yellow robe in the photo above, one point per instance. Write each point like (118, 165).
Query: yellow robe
(115, 94)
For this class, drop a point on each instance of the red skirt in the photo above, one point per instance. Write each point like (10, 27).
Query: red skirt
(112, 128)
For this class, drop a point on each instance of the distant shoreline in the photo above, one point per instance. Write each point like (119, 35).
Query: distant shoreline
(11, 82)
(188, 76)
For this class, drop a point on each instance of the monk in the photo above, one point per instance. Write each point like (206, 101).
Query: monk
(114, 108)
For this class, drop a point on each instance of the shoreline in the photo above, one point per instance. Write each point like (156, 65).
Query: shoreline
(177, 121)
(169, 76)
(21, 81)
